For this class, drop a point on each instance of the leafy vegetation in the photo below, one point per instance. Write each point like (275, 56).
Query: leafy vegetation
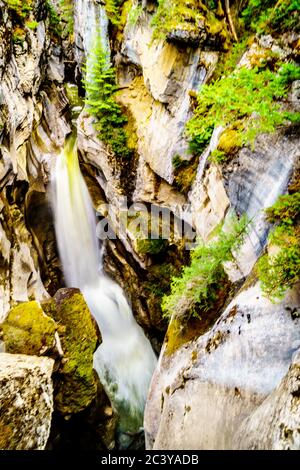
(32, 24)
(279, 270)
(21, 7)
(100, 85)
(247, 100)
(200, 283)
(265, 16)
(54, 20)
(112, 8)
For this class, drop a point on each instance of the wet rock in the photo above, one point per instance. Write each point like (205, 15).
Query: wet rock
(209, 201)
(28, 330)
(26, 401)
(256, 180)
(91, 429)
(75, 385)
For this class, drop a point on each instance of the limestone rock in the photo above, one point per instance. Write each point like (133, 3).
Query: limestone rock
(206, 389)
(253, 182)
(275, 423)
(32, 130)
(209, 202)
(168, 73)
(26, 401)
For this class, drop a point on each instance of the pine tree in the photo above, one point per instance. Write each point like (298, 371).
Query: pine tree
(100, 85)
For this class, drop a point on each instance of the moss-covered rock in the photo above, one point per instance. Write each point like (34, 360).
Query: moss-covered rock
(150, 246)
(190, 23)
(75, 385)
(230, 141)
(28, 330)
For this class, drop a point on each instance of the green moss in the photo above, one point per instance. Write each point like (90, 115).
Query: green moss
(28, 330)
(184, 329)
(75, 386)
(19, 35)
(32, 24)
(151, 247)
(184, 173)
(229, 143)
(21, 7)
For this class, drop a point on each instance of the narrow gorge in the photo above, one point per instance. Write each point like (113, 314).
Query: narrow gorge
(149, 225)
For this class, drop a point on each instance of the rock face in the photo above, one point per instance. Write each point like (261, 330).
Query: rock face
(275, 423)
(26, 402)
(160, 102)
(223, 382)
(31, 132)
(238, 380)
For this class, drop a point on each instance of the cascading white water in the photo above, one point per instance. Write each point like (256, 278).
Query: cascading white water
(125, 360)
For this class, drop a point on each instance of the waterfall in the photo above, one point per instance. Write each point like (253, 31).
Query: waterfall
(125, 360)
(90, 21)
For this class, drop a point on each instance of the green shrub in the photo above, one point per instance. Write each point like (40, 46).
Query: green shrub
(247, 98)
(288, 73)
(54, 20)
(100, 85)
(280, 271)
(21, 7)
(200, 283)
(265, 16)
(32, 24)
(285, 210)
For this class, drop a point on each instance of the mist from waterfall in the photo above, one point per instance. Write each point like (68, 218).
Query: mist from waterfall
(125, 360)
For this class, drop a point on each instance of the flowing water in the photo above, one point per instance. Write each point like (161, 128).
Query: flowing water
(125, 360)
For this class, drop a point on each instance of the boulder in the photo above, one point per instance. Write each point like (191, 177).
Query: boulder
(28, 330)
(26, 401)
(75, 385)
